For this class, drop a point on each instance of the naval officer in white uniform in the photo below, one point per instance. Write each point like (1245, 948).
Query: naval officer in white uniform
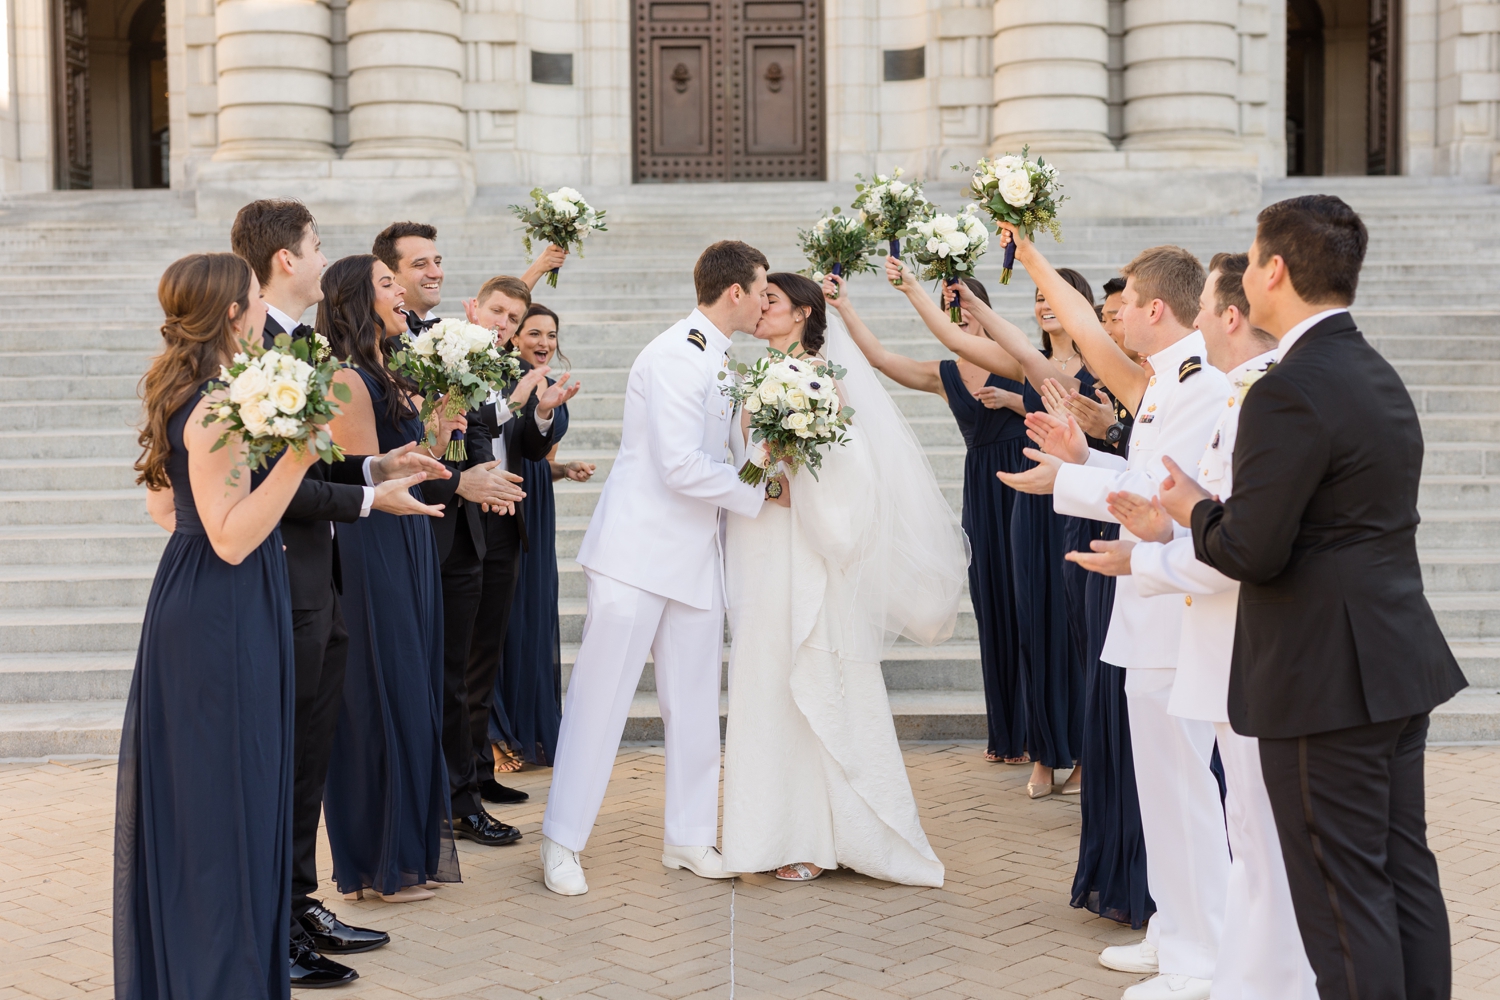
(1261, 956)
(1187, 857)
(652, 555)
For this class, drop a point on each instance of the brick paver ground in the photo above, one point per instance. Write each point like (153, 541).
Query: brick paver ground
(999, 928)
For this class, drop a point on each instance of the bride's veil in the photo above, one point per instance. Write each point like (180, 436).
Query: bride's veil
(910, 572)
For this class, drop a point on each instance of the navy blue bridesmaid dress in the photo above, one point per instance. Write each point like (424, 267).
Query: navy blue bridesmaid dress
(527, 706)
(203, 810)
(994, 439)
(1051, 660)
(386, 801)
(1111, 876)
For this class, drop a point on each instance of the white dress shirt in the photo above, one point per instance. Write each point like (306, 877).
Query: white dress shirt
(1295, 333)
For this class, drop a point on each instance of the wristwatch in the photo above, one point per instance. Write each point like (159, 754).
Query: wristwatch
(773, 489)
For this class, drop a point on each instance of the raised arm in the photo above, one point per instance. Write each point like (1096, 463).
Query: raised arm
(1036, 366)
(909, 372)
(975, 350)
(1104, 358)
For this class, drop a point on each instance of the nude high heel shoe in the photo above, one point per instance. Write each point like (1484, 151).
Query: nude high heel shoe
(410, 894)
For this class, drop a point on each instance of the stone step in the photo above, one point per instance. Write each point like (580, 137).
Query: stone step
(1463, 570)
(69, 630)
(43, 544)
(1467, 616)
(70, 507)
(75, 585)
(32, 474)
(1480, 662)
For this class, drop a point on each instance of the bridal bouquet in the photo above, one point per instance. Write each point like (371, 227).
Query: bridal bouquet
(561, 218)
(837, 244)
(889, 206)
(795, 413)
(278, 398)
(1020, 191)
(948, 247)
(458, 361)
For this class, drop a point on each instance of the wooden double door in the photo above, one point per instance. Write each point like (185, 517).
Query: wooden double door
(728, 90)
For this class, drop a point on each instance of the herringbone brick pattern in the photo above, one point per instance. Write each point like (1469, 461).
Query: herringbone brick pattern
(1000, 927)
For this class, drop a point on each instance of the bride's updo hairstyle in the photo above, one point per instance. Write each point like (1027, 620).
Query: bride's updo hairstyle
(804, 293)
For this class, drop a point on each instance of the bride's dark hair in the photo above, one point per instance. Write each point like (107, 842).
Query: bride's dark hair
(804, 293)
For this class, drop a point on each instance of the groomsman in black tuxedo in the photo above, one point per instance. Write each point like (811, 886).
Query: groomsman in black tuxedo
(1338, 658)
(279, 239)
(479, 543)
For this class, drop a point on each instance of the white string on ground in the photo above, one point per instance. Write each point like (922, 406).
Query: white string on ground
(731, 938)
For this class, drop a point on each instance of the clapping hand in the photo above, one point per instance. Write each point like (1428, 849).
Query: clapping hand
(1179, 493)
(996, 398)
(1109, 558)
(1037, 480)
(528, 384)
(491, 487)
(1059, 437)
(394, 496)
(1094, 417)
(1144, 518)
(555, 395)
(405, 461)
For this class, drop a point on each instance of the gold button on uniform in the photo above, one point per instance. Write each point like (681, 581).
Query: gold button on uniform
(1231, 400)
(1188, 600)
(1153, 380)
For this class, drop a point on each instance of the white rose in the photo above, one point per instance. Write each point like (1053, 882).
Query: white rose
(1006, 164)
(958, 240)
(752, 404)
(240, 358)
(423, 345)
(898, 188)
(288, 396)
(1015, 188)
(933, 244)
(769, 392)
(453, 352)
(251, 384)
(255, 420)
(286, 427)
(796, 421)
(796, 399)
(569, 194)
(563, 207)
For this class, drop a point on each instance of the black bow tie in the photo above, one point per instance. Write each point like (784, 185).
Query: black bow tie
(303, 330)
(418, 325)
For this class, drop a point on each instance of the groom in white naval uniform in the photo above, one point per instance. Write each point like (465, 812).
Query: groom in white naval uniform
(653, 558)
(1261, 955)
(1187, 857)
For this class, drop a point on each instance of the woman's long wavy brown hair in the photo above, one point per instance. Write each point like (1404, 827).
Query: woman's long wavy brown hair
(356, 333)
(195, 293)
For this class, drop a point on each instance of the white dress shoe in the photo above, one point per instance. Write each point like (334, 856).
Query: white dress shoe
(705, 862)
(561, 869)
(1138, 957)
(1170, 988)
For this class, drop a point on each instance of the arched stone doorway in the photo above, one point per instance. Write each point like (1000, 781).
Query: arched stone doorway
(110, 83)
(1342, 93)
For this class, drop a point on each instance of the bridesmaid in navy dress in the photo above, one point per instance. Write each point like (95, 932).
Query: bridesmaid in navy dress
(203, 809)
(527, 706)
(386, 804)
(987, 409)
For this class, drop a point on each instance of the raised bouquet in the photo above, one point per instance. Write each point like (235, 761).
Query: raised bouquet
(561, 218)
(948, 247)
(279, 398)
(1020, 191)
(837, 244)
(459, 362)
(795, 413)
(888, 206)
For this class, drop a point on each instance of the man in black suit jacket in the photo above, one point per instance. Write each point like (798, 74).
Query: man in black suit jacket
(280, 241)
(1338, 658)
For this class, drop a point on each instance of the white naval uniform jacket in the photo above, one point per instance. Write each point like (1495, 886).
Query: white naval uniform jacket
(1176, 417)
(656, 526)
(1211, 599)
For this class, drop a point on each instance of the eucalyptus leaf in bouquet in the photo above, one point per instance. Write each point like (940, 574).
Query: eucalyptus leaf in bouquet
(278, 398)
(561, 218)
(457, 361)
(795, 412)
(888, 206)
(836, 244)
(1024, 192)
(948, 247)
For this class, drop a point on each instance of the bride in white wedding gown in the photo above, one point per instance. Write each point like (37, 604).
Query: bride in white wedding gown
(867, 552)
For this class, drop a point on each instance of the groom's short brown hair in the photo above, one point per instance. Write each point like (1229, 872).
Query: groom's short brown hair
(725, 263)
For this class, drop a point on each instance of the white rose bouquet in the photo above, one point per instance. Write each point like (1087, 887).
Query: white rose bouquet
(888, 206)
(1020, 191)
(276, 399)
(795, 412)
(948, 247)
(561, 218)
(836, 244)
(459, 362)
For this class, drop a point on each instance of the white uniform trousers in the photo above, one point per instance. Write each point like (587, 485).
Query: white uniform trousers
(1261, 957)
(1187, 853)
(687, 643)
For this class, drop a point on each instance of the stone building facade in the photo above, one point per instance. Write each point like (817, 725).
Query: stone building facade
(1154, 107)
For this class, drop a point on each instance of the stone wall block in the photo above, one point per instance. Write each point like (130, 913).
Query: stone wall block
(1051, 76)
(291, 52)
(242, 128)
(415, 126)
(275, 86)
(1045, 42)
(397, 85)
(1182, 41)
(1033, 119)
(273, 71)
(413, 49)
(1181, 76)
(405, 17)
(272, 17)
(1015, 13)
(1043, 80)
(1142, 13)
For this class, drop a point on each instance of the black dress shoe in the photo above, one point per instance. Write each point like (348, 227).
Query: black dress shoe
(332, 936)
(492, 791)
(311, 971)
(482, 828)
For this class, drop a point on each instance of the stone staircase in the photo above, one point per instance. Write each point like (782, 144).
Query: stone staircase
(77, 552)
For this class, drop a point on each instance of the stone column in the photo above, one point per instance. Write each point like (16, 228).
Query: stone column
(406, 67)
(1051, 75)
(274, 86)
(1181, 74)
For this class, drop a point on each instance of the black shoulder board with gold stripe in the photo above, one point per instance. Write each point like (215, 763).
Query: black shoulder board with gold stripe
(1188, 367)
(698, 340)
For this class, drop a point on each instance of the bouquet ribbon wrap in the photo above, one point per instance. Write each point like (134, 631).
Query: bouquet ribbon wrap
(838, 269)
(955, 314)
(896, 253)
(1007, 265)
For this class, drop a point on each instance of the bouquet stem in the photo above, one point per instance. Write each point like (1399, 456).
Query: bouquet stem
(458, 450)
(896, 253)
(752, 474)
(955, 314)
(552, 277)
(837, 269)
(1009, 263)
